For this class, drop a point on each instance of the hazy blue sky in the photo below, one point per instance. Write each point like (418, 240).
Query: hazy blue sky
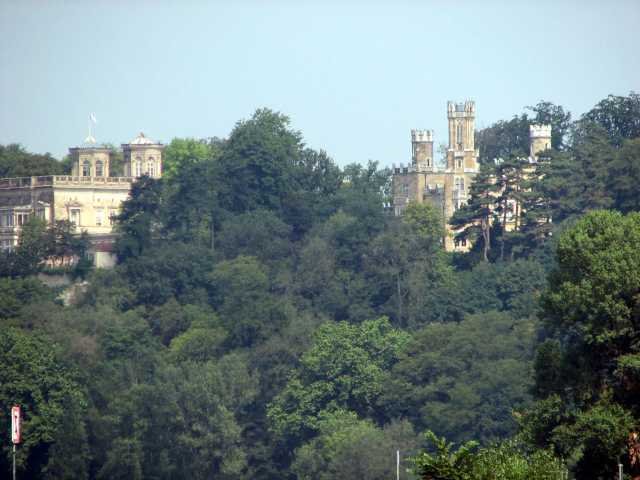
(354, 76)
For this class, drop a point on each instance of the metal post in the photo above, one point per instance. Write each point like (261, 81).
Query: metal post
(397, 464)
(14, 461)
(619, 471)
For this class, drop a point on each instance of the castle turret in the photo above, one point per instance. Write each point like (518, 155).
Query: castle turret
(461, 154)
(422, 148)
(539, 139)
(142, 156)
(90, 159)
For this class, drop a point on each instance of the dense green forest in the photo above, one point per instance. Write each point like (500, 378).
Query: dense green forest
(269, 319)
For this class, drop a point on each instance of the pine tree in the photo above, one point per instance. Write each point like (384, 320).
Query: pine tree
(476, 217)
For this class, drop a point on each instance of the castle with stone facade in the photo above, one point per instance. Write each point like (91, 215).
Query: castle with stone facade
(447, 187)
(89, 197)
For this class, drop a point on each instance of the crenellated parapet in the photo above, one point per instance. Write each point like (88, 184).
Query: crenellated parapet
(539, 139)
(461, 109)
(421, 136)
(539, 131)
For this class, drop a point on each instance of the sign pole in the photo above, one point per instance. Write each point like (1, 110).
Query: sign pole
(16, 433)
(397, 465)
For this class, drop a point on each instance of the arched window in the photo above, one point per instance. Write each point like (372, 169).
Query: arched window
(99, 169)
(459, 135)
(151, 167)
(138, 166)
(86, 168)
(460, 184)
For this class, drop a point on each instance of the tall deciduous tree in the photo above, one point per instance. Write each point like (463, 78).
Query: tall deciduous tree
(344, 368)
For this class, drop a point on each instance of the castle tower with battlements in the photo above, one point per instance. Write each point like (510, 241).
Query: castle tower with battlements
(539, 139)
(446, 188)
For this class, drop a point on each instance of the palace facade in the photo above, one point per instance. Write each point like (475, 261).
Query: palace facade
(89, 197)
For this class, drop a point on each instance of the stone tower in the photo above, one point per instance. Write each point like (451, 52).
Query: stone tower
(446, 188)
(539, 139)
(142, 156)
(461, 153)
(422, 149)
(90, 159)
(462, 156)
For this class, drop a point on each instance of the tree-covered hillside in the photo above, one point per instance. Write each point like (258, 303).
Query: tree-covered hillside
(269, 319)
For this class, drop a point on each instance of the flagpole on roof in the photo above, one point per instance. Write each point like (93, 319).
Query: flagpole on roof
(92, 120)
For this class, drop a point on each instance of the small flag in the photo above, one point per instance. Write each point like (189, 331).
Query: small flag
(92, 117)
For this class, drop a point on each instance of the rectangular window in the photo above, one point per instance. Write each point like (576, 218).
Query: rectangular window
(99, 217)
(74, 216)
(22, 218)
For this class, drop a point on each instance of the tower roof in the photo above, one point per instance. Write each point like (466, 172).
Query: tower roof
(142, 140)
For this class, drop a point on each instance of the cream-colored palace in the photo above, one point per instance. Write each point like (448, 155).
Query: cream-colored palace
(89, 197)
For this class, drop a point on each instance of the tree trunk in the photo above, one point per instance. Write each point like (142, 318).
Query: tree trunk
(486, 237)
(398, 292)
(213, 237)
(504, 228)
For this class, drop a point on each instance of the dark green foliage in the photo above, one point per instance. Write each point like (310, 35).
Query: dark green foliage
(182, 273)
(138, 222)
(235, 338)
(475, 218)
(624, 177)
(463, 380)
(348, 447)
(16, 293)
(586, 376)
(258, 162)
(619, 116)
(15, 161)
(546, 113)
(503, 139)
(39, 243)
(241, 296)
(344, 368)
(508, 460)
(53, 404)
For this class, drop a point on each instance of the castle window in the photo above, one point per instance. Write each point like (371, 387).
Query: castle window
(464, 242)
(458, 163)
(151, 167)
(460, 184)
(86, 168)
(459, 135)
(99, 168)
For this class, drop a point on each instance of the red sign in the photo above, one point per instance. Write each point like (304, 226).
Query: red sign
(15, 424)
